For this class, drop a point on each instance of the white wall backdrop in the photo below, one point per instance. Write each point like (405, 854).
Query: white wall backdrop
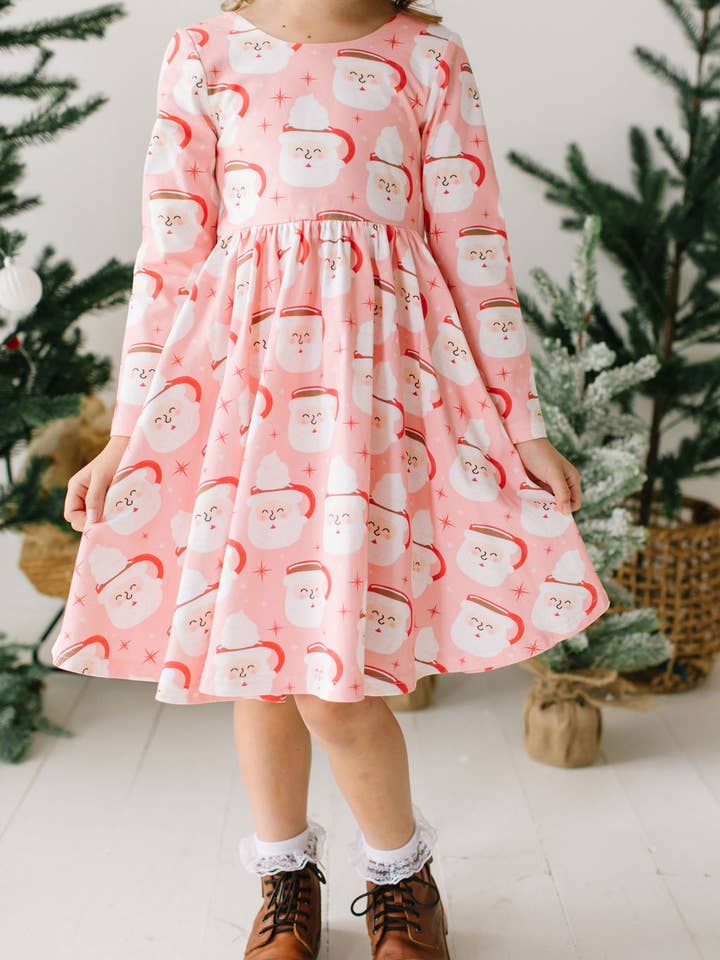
(550, 73)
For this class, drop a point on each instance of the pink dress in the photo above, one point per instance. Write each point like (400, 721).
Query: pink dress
(324, 373)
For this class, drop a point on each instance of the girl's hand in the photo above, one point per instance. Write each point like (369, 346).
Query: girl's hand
(551, 470)
(87, 488)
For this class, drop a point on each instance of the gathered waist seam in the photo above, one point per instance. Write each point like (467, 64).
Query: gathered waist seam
(339, 219)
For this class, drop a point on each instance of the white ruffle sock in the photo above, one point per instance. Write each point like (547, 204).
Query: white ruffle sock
(391, 866)
(265, 857)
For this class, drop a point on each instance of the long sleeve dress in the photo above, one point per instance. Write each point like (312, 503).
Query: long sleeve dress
(324, 374)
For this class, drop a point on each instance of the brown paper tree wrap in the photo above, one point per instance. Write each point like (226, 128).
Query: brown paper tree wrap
(562, 716)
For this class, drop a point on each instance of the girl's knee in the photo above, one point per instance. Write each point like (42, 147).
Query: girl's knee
(330, 721)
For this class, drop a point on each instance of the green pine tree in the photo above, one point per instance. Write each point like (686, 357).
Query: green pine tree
(578, 380)
(44, 369)
(664, 236)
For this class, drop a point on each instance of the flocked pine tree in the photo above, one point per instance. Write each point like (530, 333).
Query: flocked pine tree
(578, 381)
(664, 236)
(44, 370)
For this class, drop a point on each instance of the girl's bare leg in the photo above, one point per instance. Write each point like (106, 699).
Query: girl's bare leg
(274, 752)
(368, 756)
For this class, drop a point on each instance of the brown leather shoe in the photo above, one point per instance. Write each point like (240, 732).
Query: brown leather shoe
(405, 920)
(287, 925)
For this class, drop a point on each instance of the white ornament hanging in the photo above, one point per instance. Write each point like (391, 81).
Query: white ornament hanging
(20, 288)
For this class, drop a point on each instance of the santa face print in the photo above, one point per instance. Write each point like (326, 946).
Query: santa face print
(211, 518)
(426, 55)
(426, 565)
(417, 464)
(420, 390)
(305, 597)
(310, 159)
(172, 685)
(133, 595)
(537, 421)
(473, 475)
(387, 190)
(298, 344)
(451, 355)
(259, 334)
(184, 317)
(132, 501)
(481, 259)
(450, 183)
(487, 559)
(362, 383)
(138, 373)
(388, 534)
(252, 51)
(383, 314)
(145, 289)
(387, 423)
(388, 623)
(559, 607)
(276, 517)
(91, 659)
(164, 147)
(502, 333)
(337, 259)
(189, 92)
(363, 82)
(171, 418)
(312, 422)
(192, 623)
(411, 309)
(241, 194)
(481, 631)
(245, 673)
(379, 240)
(344, 523)
(540, 515)
(176, 223)
(470, 104)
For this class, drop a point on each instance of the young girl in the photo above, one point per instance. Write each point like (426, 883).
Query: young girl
(328, 473)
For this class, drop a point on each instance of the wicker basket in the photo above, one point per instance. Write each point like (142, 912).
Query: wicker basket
(678, 573)
(421, 697)
(47, 558)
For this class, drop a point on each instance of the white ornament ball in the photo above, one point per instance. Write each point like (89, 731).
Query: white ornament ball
(20, 288)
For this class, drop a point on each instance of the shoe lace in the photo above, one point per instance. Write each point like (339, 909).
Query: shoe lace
(289, 900)
(386, 912)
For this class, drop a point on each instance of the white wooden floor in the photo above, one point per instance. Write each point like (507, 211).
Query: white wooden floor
(120, 843)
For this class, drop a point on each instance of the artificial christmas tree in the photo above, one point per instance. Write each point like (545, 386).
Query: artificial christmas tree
(44, 371)
(578, 381)
(664, 236)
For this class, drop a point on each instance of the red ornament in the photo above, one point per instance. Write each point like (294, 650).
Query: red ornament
(13, 343)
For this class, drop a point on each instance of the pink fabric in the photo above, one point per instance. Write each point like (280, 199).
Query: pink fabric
(325, 369)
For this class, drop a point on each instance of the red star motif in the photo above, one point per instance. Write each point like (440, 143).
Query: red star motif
(221, 437)
(355, 687)
(507, 516)
(532, 647)
(124, 644)
(519, 591)
(477, 141)
(262, 570)
(440, 492)
(264, 126)
(357, 118)
(79, 600)
(351, 423)
(224, 404)
(357, 581)
(274, 434)
(308, 78)
(434, 611)
(239, 372)
(343, 610)
(349, 320)
(181, 468)
(436, 232)
(280, 97)
(484, 404)
(364, 453)
(446, 522)
(177, 361)
(275, 628)
(433, 283)
(150, 658)
(415, 101)
(353, 197)
(157, 328)
(461, 409)
(194, 171)
(212, 294)
(276, 197)
(462, 661)
(393, 41)
(548, 550)
(309, 470)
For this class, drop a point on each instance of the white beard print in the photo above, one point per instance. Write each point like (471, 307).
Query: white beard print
(451, 355)
(425, 58)
(164, 150)
(481, 260)
(411, 313)
(170, 420)
(259, 335)
(420, 392)
(387, 624)
(305, 598)
(244, 673)
(449, 184)
(379, 242)
(383, 315)
(298, 345)
(255, 52)
(486, 559)
(190, 87)
(336, 273)
(192, 623)
(241, 194)
(387, 424)
(386, 192)
(132, 596)
(175, 224)
(542, 517)
(344, 523)
(537, 421)
(425, 564)
(138, 374)
(170, 685)
(473, 476)
(481, 632)
(388, 533)
(132, 502)
(275, 519)
(558, 608)
(363, 84)
(470, 105)
(312, 162)
(183, 320)
(311, 423)
(362, 383)
(417, 465)
(212, 514)
(502, 331)
(86, 661)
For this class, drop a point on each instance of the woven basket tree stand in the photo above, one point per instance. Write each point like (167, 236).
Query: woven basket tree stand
(678, 573)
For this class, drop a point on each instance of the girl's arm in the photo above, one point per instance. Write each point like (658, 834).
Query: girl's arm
(179, 220)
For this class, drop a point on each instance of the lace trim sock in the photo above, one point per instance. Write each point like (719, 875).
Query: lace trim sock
(271, 856)
(391, 866)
